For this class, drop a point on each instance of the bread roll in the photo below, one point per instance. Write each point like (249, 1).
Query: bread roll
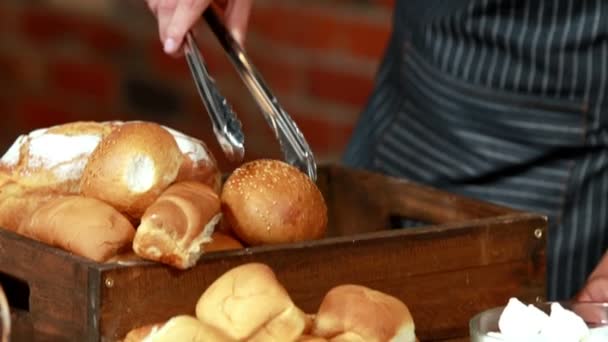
(178, 328)
(248, 303)
(270, 202)
(84, 226)
(53, 159)
(132, 166)
(18, 203)
(350, 313)
(309, 338)
(175, 227)
(222, 242)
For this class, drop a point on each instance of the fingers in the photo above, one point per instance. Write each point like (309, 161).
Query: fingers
(186, 13)
(164, 13)
(237, 18)
(152, 5)
(596, 290)
(176, 17)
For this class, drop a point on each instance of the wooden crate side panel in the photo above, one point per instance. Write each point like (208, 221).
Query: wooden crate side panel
(456, 263)
(361, 201)
(58, 290)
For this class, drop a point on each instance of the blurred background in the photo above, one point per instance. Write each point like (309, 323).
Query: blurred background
(68, 60)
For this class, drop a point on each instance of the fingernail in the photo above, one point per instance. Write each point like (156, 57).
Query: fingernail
(237, 36)
(170, 45)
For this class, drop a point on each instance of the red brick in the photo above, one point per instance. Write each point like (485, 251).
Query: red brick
(93, 81)
(11, 68)
(18, 71)
(215, 57)
(339, 86)
(101, 36)
(36, 112)
(177, 67)
(324, 136)
(281, 75)
(321, 29)
(366, 39)
(44, 25)
(390, 4)
(302, 26)
(167, 65)
(4, 15)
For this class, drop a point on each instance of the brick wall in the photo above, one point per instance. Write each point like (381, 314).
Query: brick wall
(66, 60)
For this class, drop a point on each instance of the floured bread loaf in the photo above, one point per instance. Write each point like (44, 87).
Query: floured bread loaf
(51, 162)
(55, 158)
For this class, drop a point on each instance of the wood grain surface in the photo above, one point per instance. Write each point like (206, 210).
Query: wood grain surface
(470, 256)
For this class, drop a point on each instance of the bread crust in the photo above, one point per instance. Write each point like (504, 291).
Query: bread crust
(248, 303)
(84, 226)
(178, 328)
(270, 202)
(350, 313)
(131, 167)
(53, 159)
(222, 242)
(176, 226)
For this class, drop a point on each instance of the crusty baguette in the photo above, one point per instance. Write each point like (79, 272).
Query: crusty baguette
(53, 159)
(17, 202)
(176, 226)
(84, 226)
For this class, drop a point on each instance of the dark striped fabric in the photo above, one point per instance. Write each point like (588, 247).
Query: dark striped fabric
(503, 101)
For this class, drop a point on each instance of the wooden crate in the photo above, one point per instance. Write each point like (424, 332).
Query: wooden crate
(467, 257)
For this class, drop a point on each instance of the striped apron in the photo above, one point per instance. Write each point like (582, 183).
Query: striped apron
(504, 101)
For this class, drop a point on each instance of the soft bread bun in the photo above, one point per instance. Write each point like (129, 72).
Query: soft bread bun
(269, 202)
(174, 229)
(350, 313)
(53, 158)
(310, 338)
(132, 166)
(178, 328)
(18, 203)
(222, 242)
(84, 226)
(248, 303)
(140, 334)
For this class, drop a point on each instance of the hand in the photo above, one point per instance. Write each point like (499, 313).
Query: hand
(176, 17)
(596, 288)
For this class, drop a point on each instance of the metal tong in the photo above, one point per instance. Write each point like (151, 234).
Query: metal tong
(226, 125)
(293, 144)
